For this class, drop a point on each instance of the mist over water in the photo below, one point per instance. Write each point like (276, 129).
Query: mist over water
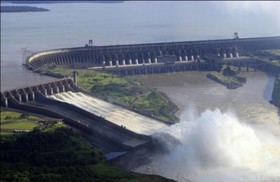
(217, 146)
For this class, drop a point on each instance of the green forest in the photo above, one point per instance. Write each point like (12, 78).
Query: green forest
(57, 153)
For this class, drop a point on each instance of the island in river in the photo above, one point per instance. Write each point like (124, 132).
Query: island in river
(229, 77)
(17, 9)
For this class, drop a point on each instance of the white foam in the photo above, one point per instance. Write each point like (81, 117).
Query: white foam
(216, 146)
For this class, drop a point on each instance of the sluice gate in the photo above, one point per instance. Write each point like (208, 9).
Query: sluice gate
(139, 54)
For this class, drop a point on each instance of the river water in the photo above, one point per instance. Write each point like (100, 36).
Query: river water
(225, 135)
(73, 24)
(194, 89)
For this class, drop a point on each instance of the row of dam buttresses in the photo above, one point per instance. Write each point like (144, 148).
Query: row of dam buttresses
(139, 54)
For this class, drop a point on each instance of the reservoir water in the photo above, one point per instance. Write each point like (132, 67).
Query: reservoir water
(73, 24)
(249, 116)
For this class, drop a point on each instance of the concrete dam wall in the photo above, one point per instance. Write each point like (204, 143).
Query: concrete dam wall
(30, 93)
(150, 54)
(115, 130)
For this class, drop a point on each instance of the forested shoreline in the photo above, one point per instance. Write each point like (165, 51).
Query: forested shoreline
(17, 9)
(57, 153)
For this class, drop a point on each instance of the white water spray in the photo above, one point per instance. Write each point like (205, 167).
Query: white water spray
(216, 146)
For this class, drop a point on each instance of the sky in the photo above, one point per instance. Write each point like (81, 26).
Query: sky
(259, 10)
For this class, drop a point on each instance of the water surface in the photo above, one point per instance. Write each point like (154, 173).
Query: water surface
(129, 22)
(226, 135)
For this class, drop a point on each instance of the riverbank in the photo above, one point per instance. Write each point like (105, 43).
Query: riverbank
(228, 77)
(272, 56)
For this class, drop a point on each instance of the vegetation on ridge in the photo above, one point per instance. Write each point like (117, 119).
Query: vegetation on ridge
(271, 56)
(12, 122)
(119, 90)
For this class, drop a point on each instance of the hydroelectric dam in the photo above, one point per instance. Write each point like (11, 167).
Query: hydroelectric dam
(117, 131)
(150, 58)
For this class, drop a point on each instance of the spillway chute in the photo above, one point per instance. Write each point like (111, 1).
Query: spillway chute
(118, 115)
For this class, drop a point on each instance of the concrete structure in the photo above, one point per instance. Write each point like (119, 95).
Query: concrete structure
(75, 77)
(114, 139)
(118, 115)
(147, 54)
(114, 135)
(30, 93)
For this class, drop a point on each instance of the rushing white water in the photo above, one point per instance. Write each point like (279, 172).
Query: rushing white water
(113, 113)
(216, 146)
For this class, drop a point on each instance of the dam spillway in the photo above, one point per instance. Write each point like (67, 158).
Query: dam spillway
(117, 131)
(120, 116)
(151, 54)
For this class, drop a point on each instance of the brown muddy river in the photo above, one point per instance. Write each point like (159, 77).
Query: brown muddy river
(226, 135)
